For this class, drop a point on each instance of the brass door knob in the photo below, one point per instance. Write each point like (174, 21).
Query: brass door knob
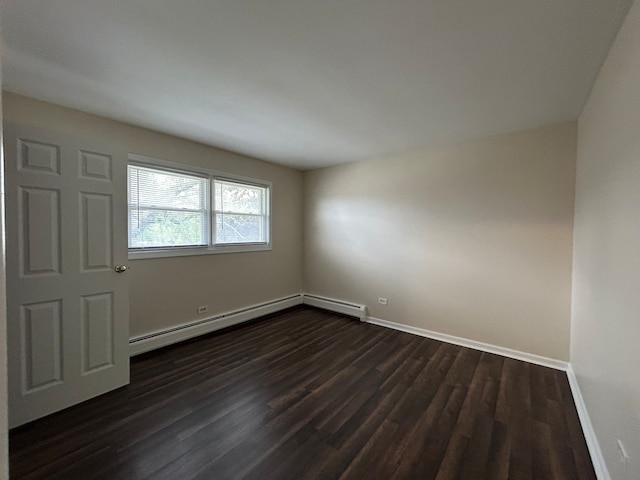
(120, 268)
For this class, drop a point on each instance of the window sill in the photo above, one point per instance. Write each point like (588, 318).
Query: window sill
(192, 251)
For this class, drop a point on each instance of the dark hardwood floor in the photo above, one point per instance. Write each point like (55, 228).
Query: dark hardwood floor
(310, 394)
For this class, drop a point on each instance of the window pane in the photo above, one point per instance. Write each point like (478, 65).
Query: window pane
(239, 198)
(232, 228)
(162, 189)
(166, 209)
(157, 228)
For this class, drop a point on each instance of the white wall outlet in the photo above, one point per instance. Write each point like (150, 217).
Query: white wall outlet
(203, 309)
(383, 301)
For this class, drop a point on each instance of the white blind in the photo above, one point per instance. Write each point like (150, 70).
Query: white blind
(167, 208)
(240, 213)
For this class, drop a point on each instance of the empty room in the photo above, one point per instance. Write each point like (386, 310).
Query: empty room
(304, 239)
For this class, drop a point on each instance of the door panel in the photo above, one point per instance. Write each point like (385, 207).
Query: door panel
(40, 226)
(97, 329)
(67, 322)
(96, 231)
(42, 352)
(95, 166)
(39, 157)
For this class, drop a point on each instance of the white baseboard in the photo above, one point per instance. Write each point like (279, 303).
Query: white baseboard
(597, 458)
(465, 342)
(162, 338)
(333, 305)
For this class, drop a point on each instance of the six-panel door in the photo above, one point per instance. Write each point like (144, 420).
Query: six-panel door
(68, 309)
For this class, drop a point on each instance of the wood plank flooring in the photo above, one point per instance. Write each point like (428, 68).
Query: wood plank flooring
(307, 394)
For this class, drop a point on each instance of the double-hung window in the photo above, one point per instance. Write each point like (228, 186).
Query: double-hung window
(174, 210)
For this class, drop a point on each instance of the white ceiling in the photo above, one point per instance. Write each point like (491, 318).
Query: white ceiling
(309, 83)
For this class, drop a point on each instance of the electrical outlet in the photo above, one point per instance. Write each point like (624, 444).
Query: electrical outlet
(623, 457)
(203, 309)
(383, 301)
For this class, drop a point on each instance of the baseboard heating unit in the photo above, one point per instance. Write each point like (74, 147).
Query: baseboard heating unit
(162, 338)
(333, 305)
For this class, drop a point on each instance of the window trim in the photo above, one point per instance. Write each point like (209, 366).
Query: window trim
(211, 248)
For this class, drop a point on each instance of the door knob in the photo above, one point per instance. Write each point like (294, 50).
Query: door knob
(120, 268)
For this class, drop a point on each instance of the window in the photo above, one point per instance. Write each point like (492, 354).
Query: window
(189, 212)
(240, 212)
(167, 209)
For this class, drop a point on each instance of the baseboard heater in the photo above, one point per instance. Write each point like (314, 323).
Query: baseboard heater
(162, 338)
(333, 305)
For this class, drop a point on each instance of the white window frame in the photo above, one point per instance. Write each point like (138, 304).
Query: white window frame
(211, 248)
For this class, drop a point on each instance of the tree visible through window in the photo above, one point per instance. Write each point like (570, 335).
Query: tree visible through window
(166, 209)
(240, 212)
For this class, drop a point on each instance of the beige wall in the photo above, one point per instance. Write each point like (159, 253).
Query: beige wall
(605, 330)
(165, 292)
(474, 240)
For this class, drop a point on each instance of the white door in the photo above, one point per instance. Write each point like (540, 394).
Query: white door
(67, 308)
